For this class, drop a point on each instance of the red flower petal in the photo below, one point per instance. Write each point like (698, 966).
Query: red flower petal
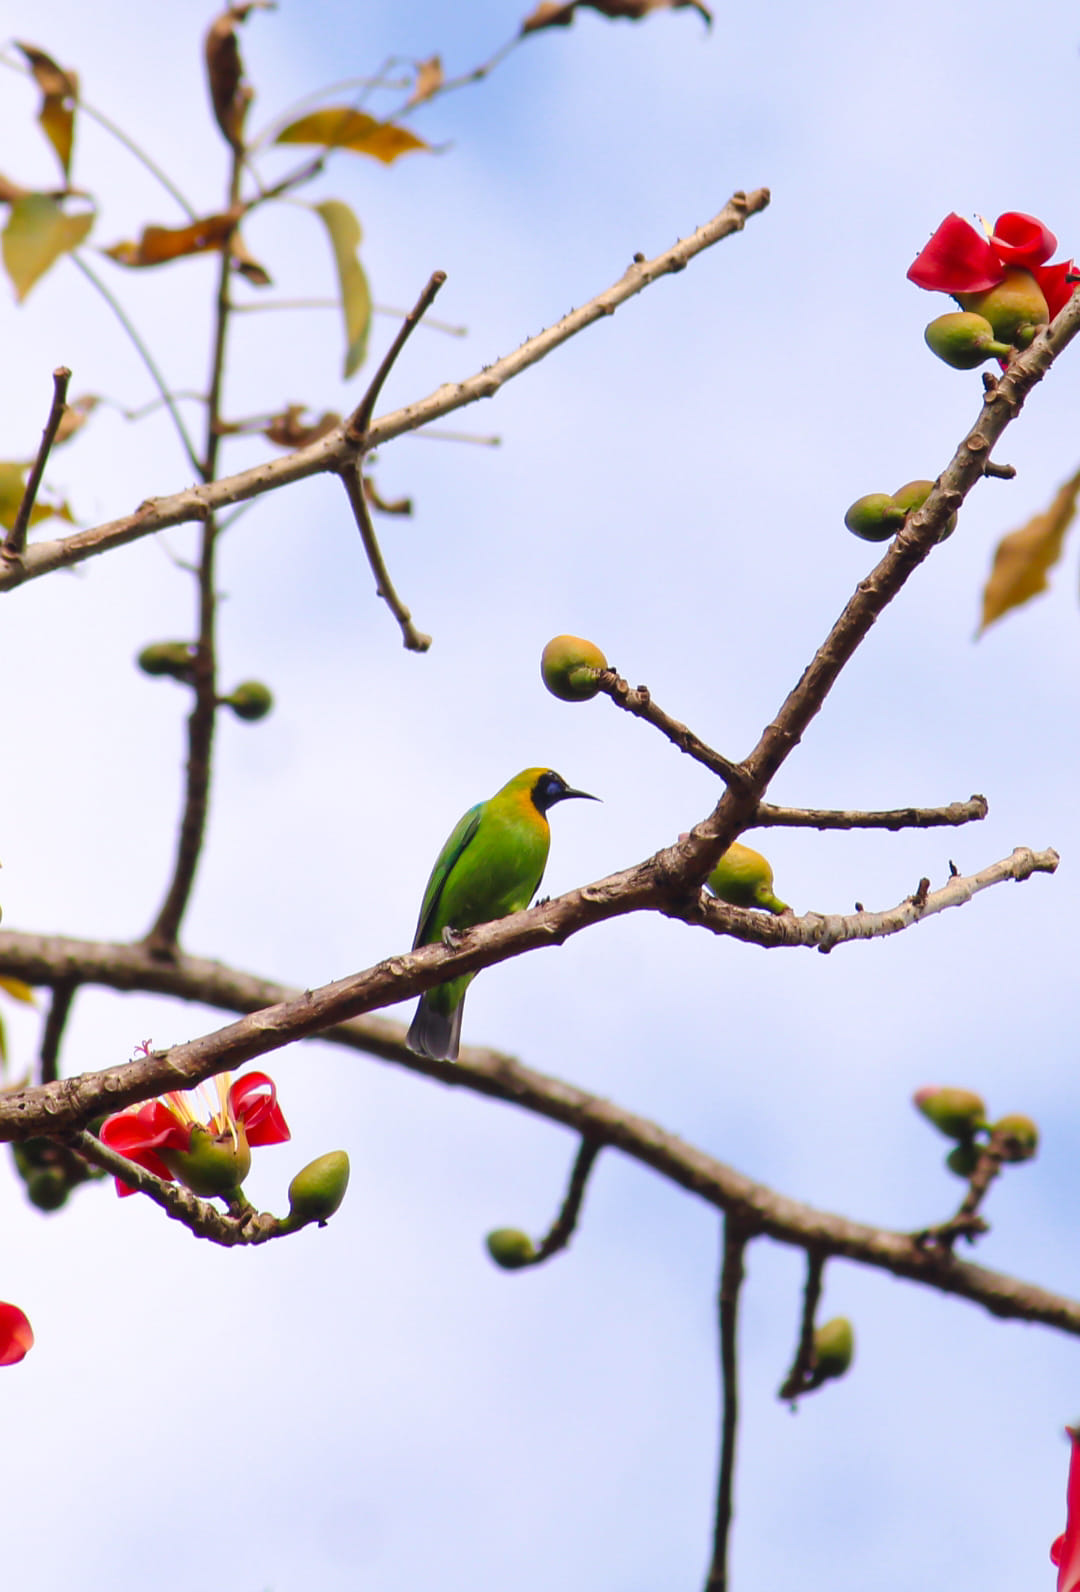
(254, 1101)
(1065, 1552)
(958, 259)
(1057, 290)
(1022, 240)
(16, 1335)
(140, 1134)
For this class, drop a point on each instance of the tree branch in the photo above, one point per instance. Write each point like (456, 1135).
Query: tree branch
(639, 702)
(356, 426)
(956, 813)
(562, 1228)
(731, 1280)
(413, 639)
(332, 452)
(14, 544)
(803, 1363)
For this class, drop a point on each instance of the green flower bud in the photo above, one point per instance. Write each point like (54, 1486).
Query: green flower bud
(569, 666)
(834, 1350)
(1018, 1136)
(963, 1158)
(913, 495)
(510, 1248)
(744, 878)
(251, 700)
(167, 657)
(48, 1190)
(875, 517)
(1015, 309)
(965, 340)
(318, 1189)
(210, 1165)
(958, 1113)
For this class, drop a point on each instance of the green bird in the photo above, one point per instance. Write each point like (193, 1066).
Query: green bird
(491, 866)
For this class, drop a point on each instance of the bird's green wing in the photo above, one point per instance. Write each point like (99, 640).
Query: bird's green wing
(447, 857)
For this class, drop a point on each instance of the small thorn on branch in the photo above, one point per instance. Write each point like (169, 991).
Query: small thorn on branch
(999, 472)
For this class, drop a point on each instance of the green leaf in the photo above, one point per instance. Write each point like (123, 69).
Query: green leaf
(340, 127)
(345, 235)
(38, 232)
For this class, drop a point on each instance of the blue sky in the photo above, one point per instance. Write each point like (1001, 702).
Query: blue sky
(374, 1406)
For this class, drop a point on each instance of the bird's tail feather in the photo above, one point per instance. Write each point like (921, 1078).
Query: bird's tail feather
(436, 1034)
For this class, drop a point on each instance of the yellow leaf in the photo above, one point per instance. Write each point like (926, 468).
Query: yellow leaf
(339, 127)
(12, 487)
(1023, 559)
(17, 989)
(549, 14)
(38, 232)
(345, 235)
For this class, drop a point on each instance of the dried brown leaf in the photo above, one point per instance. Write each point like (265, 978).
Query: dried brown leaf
(345, 236)
(60, 93)
(37, 233)
(230, 95)
(10, 191)
(74, 417)
(1023, 559)
(429, 80)
(340, 127)
(551, 15)
(288, 430)
(160, 245)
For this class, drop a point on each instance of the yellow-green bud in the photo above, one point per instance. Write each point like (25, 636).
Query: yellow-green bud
(211, 1165)
(1018, 1137)
(251, 700)
(958, 1113)
(318, 1189)
(1015, 309)
(569, 666)
(834, 1350)
(744, 878)
(510, 1248)
(913, 495)
(963, 1158)
(874, 517)
(167, 657)
(965, 340)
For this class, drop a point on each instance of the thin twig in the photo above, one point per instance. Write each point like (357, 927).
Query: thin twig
(332, 452)
(356, 427)
(145, 355)
(967, 1223)
(956, 813)
(161, 938)
(53, 1032)
(199, 1216)
(256, 306)
(639, 702)
(15, 541)
(562, 1228)
(731, 1279)
(415, 640)
(795, 1381)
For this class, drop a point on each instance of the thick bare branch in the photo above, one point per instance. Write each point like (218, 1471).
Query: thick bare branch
(334, 451)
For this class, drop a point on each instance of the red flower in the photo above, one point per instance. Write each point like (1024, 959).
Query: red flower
(961, 259)
(154, 1135)
(1065, 1552)
(16, 1335)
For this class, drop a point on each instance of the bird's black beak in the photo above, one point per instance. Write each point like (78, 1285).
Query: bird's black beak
(584, 794)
